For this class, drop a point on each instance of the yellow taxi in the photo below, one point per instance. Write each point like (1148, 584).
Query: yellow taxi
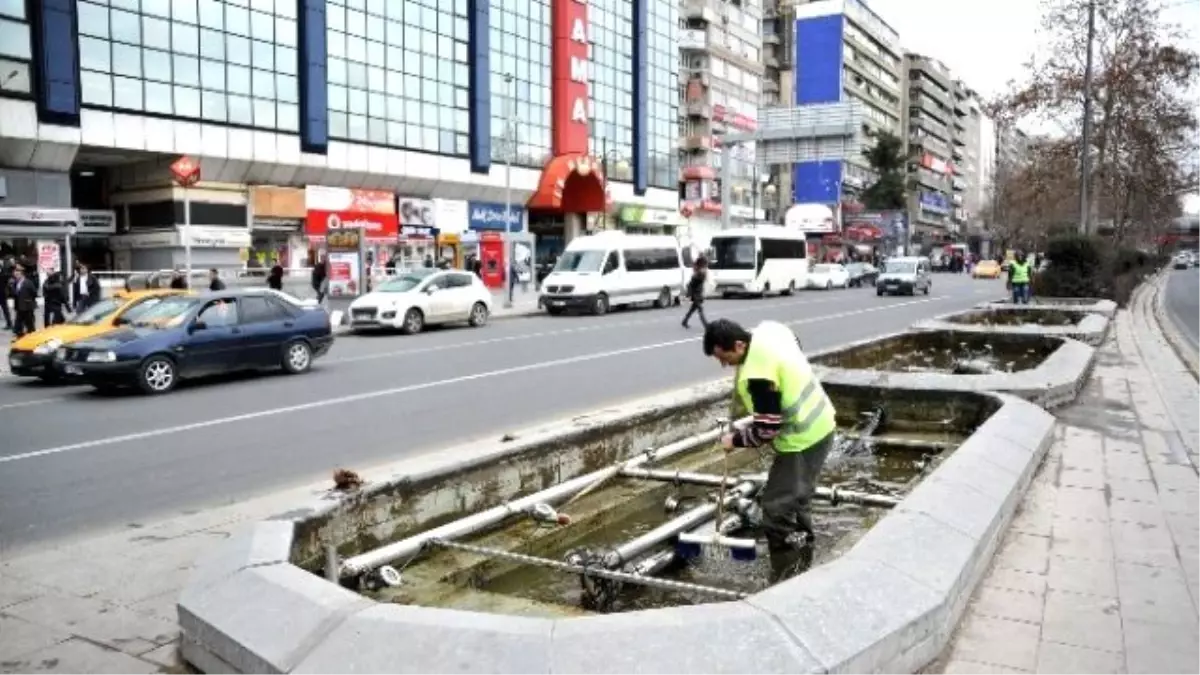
(32, 355)
(986, 269)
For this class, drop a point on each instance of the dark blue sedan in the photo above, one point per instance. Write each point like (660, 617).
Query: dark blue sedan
(190, 336)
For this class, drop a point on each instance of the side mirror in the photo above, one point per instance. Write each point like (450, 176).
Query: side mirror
(431, 290)
(120, 321)
(197, 325)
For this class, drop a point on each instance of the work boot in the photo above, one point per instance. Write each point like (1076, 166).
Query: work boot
(792, 560)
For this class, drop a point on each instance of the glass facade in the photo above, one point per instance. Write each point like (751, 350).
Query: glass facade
(224, 61)
(611, 80)
(16, 49)
(520, 40)
(398, 73)
(663, 66)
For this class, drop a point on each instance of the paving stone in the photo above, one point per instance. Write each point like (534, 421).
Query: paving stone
(1083, 449)
(1003, 603)
(970, 667)
(1081, 504)
(1035, 521)
(96, 620)
(1024, 552)
(1174, 501)
(1145, 544)
(1122, 446)
(81, 656)
(1081, 478)
(1082, 539)
(14, 590)
(1016, 580)
(21, 637)
(167, 656)
(1160, 648)
(1077, 575)
(1060, 658)
(1176, 477)
(1185, 530)
(1081, 620)
(1154, 594)
(1145, 513)
(1133, 490)
(1127, 467)
(1002, 642)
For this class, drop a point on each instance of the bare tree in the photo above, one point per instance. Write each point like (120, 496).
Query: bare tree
(1145, 127)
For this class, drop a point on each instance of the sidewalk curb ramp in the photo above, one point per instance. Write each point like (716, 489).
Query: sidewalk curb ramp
(890, 604)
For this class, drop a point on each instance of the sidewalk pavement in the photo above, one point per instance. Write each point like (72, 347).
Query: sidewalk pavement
(1098, 572)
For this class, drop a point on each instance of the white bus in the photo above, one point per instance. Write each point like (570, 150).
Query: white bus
(612, 269)
(758, 260)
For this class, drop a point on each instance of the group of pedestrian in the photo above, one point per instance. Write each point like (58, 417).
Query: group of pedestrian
(20, 284)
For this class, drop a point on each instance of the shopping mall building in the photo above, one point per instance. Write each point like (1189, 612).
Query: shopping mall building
(428, 101)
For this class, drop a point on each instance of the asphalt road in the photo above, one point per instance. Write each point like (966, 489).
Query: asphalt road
(73, 461)
(1183, 303)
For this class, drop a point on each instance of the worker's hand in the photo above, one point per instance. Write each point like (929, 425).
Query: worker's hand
(727, 442)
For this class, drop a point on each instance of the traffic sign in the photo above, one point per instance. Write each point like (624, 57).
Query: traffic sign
(186, 171)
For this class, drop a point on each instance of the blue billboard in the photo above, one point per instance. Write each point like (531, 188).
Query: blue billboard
(490, 216)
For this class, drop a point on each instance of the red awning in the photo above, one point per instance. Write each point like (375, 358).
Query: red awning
(570, 184)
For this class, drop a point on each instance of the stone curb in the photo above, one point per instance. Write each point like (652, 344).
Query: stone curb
(1055, 382)
(1091, 330)
(1092, 305)
(1174, 337)
(889, 605)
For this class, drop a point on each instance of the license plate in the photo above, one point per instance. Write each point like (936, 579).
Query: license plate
(558, 303)
(73, 370)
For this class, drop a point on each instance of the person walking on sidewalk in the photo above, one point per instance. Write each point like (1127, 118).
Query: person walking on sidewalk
(85, 288)
(214, 281)
(275, 278)
(54, 298)
(791, 414)
(24, 302)
(695, 291)
(6, 276)
(1019, 279)
(320, 280)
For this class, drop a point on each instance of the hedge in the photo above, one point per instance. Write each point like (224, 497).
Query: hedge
(1090, 267)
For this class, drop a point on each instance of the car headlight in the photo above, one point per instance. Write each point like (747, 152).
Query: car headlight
(101, 357)
(61, 354)
(48, 346)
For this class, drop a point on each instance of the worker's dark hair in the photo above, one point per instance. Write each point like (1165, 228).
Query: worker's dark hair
(725, 334)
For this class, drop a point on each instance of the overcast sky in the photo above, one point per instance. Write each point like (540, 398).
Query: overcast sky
(987, 42)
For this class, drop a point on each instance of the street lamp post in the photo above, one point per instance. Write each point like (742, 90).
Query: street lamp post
(510, 140)
(621, 166)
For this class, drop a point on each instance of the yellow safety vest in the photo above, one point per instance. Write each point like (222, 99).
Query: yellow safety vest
(808, 414)
(1020, 272)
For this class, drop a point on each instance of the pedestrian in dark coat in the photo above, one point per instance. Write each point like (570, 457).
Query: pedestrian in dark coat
(54, 299)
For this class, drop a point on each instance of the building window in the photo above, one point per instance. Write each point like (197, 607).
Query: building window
(663, 62)
(398, 73)
(16, 49)
(224, 61)
(520, 40)
(611, 84)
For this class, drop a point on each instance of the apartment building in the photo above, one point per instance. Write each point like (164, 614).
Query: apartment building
(720, 77)
(965, 155)
(929, 121)
(826, 51)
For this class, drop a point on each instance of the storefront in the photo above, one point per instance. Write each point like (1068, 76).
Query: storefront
(417, 243)
(372, 211)
(277, 228)
(642, 220)
(211, 246)
(25, 233)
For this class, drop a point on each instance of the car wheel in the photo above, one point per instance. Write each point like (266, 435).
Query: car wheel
(879, 292)
(554, 311)
(479, 315)
(725, 295)
(157, 375)
(297, 357)
(664, 299)
(791, 288)
(927, 287)
(50, 377)
(600, 305)
(414, 321)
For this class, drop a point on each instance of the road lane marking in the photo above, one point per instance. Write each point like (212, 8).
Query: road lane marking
(366, 396)
(36, 401)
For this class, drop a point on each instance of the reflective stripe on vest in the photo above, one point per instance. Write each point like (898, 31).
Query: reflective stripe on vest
(1020, 273)
(808, 414)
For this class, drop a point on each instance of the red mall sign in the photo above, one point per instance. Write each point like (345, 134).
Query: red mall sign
(569, 77)
(186, 171)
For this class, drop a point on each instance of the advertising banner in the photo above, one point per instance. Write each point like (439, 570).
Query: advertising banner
(490, 216)
(344, 257)
(418, 212)
(372, 211)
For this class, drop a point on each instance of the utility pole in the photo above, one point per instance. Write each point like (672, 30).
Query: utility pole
(511, 142)
(1085, 160)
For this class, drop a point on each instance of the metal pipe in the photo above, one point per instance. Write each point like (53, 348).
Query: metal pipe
(331, 563)
(712, 480)
(904, 442)
(657, 562)
(411, 546)
(585, 570)
(673, 528)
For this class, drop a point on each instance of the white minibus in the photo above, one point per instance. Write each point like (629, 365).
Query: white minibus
(611, 269)
(758, 260)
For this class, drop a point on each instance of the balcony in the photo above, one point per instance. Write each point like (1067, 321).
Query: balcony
(696, 141)
(927, 106)
(931, 126)
(770, 61)
(959, 184)
(770, 38)
(698, 172)
(770, 85)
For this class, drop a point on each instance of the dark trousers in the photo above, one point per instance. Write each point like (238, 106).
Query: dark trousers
(1020, 294)
(786, 500)
(25, 323)
(52, 315)
(696, 308)
(8, 323)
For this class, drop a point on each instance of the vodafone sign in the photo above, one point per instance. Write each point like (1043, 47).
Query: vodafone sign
(372, 211)
(569, 76)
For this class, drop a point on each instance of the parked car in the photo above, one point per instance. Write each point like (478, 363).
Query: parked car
(862, 273)
(420, 297)
(187, 336)
(32, 355)
(828, 275)
(904, 276)
(986, 269)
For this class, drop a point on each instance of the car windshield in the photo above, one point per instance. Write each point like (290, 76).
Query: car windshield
(580, 261)
(899, 267)
(138, 310)
(733, 253)
(167, 312)
(405, 282)
(97, 312)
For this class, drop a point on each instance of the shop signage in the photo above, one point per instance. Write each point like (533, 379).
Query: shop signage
(418, 232)
(214, 237)
(372, 211)
(451, 215)
(569, 77)
(420, 212)
(185, 171)
(934, 202)
(98, 222)
(278, 208)
(491, 216)
(644, 216)
(810, 218)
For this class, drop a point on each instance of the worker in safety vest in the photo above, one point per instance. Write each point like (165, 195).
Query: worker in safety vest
(1018, 279)
(791, 413)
